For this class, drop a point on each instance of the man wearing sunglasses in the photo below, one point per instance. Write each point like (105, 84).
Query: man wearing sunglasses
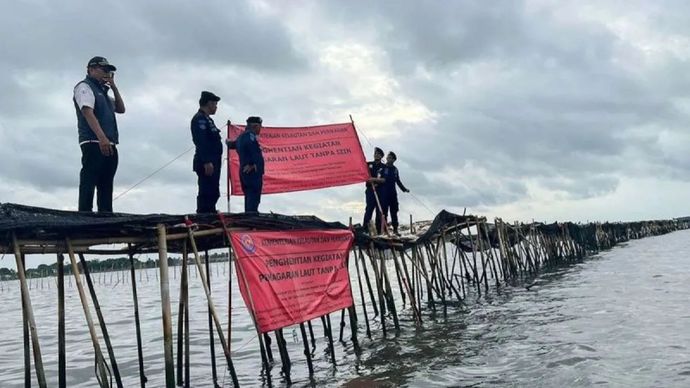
(98, 134)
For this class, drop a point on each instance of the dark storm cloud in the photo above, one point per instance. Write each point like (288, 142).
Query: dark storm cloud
(45, 48)
(55, 39)
(50, 35)
(525, 93)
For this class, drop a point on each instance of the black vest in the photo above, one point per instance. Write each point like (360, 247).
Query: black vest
(104, 110)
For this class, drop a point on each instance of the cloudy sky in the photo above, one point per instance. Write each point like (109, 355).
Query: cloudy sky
(546, 110)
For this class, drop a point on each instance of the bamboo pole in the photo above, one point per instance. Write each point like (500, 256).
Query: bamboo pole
(389, 293)
(326, 321)
(230, 260)
(25, 331)
(410, 292)
(474, 259)
(212, 346)
(182, 308)
(212, 307)
(361, 295)
(307, 353)
(101, 321)
(311, 336)
(230, 253)
(165, 306)
(490, 255)
(366, 277)
(400, 283)
(62, 360)
(26, 304)
(284, 356)
(379, 288)
(431, 255)
(342, 325)
(447, 279)
(264, 356)
(102, 374)
(137, 324)
(187, 380)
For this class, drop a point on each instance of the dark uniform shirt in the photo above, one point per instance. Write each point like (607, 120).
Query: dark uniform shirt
(249, 152)
(390, 174)
(206, 137)
(374, 169)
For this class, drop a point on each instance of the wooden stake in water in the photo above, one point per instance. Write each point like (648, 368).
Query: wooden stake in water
(182, 309)
(230, 253)
(211, 306)
(264, 359)
(165, 307)
(100, 361)
(26, 304)
(26, 335)
(311, 336)
(137, 324)
(326, 320)
(101, 321)
(366, 277)
(284, 356)
(212, 345)
(62, 362)
(307, 353)
(361, 295)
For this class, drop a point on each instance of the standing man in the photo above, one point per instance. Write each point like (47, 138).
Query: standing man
(388, 191)
(208, 153)
(373, 184)
(251, 164)
(98, 134)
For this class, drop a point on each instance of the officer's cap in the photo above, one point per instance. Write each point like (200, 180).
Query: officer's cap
(101, 62)
(254, 120)
(206, 97)
(377, 150)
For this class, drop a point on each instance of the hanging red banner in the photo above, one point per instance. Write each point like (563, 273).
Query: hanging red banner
(304, 158)
(290, 277)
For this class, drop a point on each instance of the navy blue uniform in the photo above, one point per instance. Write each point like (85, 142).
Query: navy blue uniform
(249, 151)
(389, 194)
(209, 149)
(374, 168)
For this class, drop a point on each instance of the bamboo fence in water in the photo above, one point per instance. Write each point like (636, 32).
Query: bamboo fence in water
(435, 266)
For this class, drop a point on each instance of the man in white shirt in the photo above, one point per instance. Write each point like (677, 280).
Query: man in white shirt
(98, 134)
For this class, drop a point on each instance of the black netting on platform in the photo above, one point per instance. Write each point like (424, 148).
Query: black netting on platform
(44, 224)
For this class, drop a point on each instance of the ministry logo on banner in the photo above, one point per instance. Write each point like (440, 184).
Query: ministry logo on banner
(247, 244)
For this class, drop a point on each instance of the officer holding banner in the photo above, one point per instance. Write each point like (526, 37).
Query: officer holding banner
(251, 164)
(373, 184)
(208, 154)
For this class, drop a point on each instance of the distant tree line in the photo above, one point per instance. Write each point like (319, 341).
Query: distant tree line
(97, 265)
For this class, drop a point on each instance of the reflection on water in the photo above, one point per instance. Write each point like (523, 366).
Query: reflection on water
(618, 319)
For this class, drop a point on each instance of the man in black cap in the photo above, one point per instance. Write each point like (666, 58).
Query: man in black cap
(251, 164)
(373, 184)
(98, 134)
(208, 154)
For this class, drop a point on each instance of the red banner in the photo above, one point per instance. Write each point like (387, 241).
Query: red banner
(304, 158)
(292, 277)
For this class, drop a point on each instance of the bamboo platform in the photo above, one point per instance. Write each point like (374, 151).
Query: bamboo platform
(436, 265)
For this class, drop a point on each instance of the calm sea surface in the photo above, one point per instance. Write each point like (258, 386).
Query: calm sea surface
(619, 319)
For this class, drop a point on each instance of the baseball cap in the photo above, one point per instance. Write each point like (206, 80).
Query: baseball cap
(101, 62)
